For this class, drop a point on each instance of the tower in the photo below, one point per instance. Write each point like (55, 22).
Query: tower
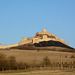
(44, 35)
(44, 30)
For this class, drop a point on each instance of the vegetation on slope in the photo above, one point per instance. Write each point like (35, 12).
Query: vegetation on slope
(10, 63)
(46, 45)
(51, 43)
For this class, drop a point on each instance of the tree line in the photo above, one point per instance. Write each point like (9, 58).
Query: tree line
(10, 63)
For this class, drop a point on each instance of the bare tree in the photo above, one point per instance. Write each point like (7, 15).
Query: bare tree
(12, 61)
(46, 61)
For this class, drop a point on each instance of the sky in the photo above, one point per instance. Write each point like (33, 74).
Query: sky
(23, 18)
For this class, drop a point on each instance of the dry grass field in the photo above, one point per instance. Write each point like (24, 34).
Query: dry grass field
(42, 72)
(29, 56)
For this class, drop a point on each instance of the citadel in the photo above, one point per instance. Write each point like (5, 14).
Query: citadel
(39, 37)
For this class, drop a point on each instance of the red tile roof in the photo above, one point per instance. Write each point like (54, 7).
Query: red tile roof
(35, 36)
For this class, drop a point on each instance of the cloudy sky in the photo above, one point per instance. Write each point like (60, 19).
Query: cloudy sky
(23, 18)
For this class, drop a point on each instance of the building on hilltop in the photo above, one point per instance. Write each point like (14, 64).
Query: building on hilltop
(41, 36)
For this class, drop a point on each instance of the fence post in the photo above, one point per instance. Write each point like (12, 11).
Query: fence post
(61, 66)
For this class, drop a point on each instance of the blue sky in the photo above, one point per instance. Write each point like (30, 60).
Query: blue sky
(26, 17)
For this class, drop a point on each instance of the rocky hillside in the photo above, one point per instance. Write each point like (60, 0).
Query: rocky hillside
(51, 43)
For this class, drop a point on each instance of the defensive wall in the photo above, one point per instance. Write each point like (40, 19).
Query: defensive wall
(8, 46)
(36, 40)
(31, 41)
(39, 37)
(40, 40)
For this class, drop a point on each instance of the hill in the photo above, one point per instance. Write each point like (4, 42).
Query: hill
(52, 43)
(46, 45)
(29, 56)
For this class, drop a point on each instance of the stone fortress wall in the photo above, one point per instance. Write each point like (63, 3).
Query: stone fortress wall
(39, 37)
(40, 40)
(8, 46)
(25, 41)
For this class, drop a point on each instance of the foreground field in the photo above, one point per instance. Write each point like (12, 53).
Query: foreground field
(43, 72)
(33, 57)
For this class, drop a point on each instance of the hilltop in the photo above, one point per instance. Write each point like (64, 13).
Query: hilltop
(46, 45)
(41, 41)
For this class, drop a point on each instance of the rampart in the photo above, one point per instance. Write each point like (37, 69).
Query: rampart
(48, 39)
(8, 46)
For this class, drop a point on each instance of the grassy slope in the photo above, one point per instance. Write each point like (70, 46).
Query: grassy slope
(52, 43)
(46, 45)
(29, 56)
(51, 48)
